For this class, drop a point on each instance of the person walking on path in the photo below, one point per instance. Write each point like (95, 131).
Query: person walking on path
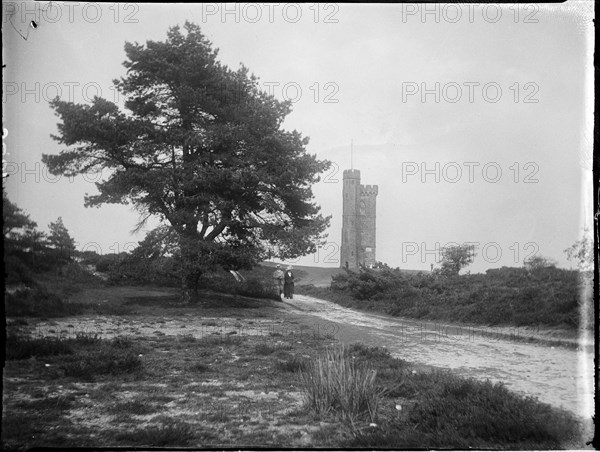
(288, 283)
(278, 279)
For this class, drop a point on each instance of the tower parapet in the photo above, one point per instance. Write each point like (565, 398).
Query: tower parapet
(352, 174)
(369, 190)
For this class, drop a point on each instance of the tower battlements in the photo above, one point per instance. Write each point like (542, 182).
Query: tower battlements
(369, 190)
(351, 174)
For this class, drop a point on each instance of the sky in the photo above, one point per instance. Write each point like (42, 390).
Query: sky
(475, 121)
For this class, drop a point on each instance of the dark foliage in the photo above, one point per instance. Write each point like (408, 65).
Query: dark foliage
(38, 302)
(514, 296)
(18, 347)
(443, 410)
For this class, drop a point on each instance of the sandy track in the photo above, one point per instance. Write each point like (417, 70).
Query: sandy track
(560, 376)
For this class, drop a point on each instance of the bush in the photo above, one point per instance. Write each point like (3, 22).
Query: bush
(38, 302)
(257, 288)
(264, 349)
(168, 433)
(293, 364)
(106, 263)
(160, 270)
(253, 286)
(513, 296)
(105, 361)
(334, 382)
(450, 411)
(17, 271)
(89, 257)
(19, 347)
(443, 410)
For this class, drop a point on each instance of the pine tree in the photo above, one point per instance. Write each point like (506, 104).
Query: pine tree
(60, 239)
(201, 147)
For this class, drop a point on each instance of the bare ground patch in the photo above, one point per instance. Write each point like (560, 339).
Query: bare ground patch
(206, 380)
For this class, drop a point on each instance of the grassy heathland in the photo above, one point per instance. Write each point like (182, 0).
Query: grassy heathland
(506, 296)
(131, 366)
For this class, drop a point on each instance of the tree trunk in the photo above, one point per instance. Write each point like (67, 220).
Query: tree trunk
(191, 270)
(189, 286)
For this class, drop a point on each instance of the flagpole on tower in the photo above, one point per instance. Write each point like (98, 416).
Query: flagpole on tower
(351, 154)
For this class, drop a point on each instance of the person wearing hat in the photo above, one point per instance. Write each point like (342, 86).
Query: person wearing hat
(288, 283)
(278, 279)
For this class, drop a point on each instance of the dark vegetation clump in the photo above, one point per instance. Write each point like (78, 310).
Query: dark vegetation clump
(103, 360)
(19, 347)
(515, 296)
(168, 433)
(254, 286)
(85, 357)
(407, 409)
(39, 302)
(164, 271)
(439, 410)
(292, 364)
(136, 268)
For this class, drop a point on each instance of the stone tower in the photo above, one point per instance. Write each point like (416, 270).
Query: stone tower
(358, 222)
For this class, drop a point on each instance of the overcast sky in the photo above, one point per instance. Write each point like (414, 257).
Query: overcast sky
(476, 123)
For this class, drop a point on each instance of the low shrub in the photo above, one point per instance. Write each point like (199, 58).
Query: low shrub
(159, 270)
(17, 271)
(253, 286)
(451, 411)
(264, 349)
(19, 347)
(257, 288)
(293, 364)
(437, 409)
(106, 263)
(511, 296)
(38, 302)
(168, 433)
(105, 361)
(199, 368)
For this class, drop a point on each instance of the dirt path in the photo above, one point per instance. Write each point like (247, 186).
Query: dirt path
(560, 376)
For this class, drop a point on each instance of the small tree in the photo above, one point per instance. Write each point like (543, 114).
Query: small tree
(36, 241)
(538, 262)
(15, 221)
(582, 252)
(60, 239)
(22, 239)
(455, 258)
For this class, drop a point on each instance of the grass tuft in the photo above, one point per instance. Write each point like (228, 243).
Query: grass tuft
(294, 364)
(334, 382)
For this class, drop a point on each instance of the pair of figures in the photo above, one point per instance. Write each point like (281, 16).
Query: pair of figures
(284, 281)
